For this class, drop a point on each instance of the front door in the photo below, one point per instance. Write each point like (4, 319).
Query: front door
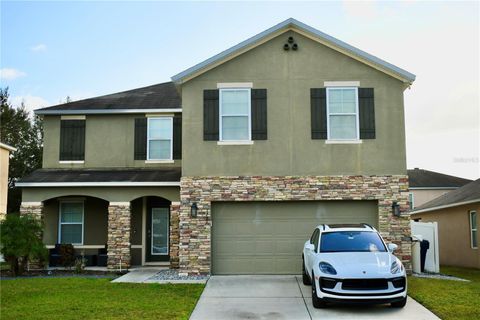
(158, 229)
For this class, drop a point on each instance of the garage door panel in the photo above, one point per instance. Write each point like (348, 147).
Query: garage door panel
(268, 237)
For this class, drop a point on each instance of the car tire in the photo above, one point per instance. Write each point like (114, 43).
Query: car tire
(305, 277)
(316, 301)
(399, 304)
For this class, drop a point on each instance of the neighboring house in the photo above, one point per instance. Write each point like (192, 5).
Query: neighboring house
(228, 169)
(4, 161)
(456, 213)
(427, 185)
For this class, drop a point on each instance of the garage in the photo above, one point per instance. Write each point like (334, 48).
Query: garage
(268, 237)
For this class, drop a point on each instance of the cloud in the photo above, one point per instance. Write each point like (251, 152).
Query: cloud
(31, 102)
(41, 47)
(11, 74)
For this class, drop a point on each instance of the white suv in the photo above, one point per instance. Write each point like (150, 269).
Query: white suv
(351, 263)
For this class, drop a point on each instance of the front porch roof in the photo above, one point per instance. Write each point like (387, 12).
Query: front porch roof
(95, 178)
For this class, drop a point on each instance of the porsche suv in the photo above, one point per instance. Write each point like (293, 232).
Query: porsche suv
(351, 263)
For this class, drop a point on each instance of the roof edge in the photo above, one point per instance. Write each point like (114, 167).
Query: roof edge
(99, 184)
(291, 22)
(455, 204)
(106, 111)
(6, 146)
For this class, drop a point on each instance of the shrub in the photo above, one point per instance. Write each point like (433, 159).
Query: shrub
(20, 240)
(67, 255)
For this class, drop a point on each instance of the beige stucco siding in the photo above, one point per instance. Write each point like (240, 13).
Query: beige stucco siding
(109, 142)
(4, 159)
(423, 196)
(114, 194)
(454, 235)
(289, 150)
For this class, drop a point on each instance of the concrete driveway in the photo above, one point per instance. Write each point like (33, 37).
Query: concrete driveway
(284, 297)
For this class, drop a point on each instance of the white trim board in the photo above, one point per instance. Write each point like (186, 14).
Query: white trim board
(99, 184)
(456, 204)
(107, 111)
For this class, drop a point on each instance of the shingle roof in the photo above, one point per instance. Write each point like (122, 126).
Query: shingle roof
(468, 193)
(159, 96)
(289, 23)
(86, 176)
(420, 178)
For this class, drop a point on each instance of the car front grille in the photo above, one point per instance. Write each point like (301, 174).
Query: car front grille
(364, 284)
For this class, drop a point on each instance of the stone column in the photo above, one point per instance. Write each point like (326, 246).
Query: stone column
(174, 234)
(118, 243)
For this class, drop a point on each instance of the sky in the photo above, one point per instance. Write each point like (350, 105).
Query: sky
(51, 50)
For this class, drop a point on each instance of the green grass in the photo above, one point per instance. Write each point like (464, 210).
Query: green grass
(83, 298)
(446, 298)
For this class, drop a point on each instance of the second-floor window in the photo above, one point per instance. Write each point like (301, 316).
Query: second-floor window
(342, 109)
(72, 138)
(235, 114)
(160, 138)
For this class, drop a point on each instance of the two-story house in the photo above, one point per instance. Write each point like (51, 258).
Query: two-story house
(228, 168)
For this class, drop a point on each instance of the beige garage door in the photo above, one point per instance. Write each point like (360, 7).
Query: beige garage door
(268, 237)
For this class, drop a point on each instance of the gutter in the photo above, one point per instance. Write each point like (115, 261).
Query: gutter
(456, 204)
(106, 111)
(99, 184)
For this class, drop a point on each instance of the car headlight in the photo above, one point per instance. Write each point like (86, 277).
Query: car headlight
(396, 267)
(327, 268)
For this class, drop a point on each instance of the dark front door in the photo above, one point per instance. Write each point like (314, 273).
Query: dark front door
(158, 230)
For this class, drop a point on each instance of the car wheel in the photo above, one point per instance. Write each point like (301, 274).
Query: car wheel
(316, 301)
(399, 304)
(305, 277)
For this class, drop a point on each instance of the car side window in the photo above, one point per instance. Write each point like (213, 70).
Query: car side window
(315, 241)
(312, 238)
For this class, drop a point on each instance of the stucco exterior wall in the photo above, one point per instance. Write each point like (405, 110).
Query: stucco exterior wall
(4, 160)
(454, 235)
(289, 150)
(423, 196)
(109, 143)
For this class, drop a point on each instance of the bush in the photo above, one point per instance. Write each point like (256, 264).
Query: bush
(20, 239)
(67, 255)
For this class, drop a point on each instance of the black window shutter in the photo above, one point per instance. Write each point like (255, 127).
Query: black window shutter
(72, 140)
(318, 104)
(210, 115)
(366, 109)
(140, 143)
(259, 114)
(177, 137)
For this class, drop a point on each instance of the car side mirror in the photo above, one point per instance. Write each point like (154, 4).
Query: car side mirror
(309, 246)
(392, 247)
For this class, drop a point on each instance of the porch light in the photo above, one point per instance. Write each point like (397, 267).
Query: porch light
(193, 210)
(396, 209)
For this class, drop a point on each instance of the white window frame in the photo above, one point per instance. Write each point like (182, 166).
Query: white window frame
(148, 138)
(60, 223)
(220, 118)
(473, 228)
(411, 199)
(356, 114)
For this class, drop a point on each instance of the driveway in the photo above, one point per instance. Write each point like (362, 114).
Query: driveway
(284, 297)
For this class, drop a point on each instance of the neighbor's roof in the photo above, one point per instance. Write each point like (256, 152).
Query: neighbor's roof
(469, 193)
(95, 177)
(425, 179)
(160, 97)
(292, 24)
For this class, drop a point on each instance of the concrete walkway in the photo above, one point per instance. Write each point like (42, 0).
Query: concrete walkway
(138, 275)
(284, 297)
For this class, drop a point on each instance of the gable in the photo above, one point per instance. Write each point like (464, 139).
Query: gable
(304, 30)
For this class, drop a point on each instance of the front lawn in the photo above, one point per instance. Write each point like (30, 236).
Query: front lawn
(446, 298)
(83, 298)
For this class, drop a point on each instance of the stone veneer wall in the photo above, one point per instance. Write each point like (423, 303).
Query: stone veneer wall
(195, 244)
(174, 234)
(118, 243)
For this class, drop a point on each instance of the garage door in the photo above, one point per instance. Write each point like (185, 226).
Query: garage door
(268, 237)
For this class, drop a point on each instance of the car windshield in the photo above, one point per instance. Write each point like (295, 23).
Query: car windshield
(351, 241)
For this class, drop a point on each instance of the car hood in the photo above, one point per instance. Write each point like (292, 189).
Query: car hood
(360, 264)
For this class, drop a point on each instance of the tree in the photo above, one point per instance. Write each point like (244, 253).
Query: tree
(20, 240)
(25, 133)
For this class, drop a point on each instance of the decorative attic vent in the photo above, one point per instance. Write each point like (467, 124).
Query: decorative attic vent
(291, 44)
